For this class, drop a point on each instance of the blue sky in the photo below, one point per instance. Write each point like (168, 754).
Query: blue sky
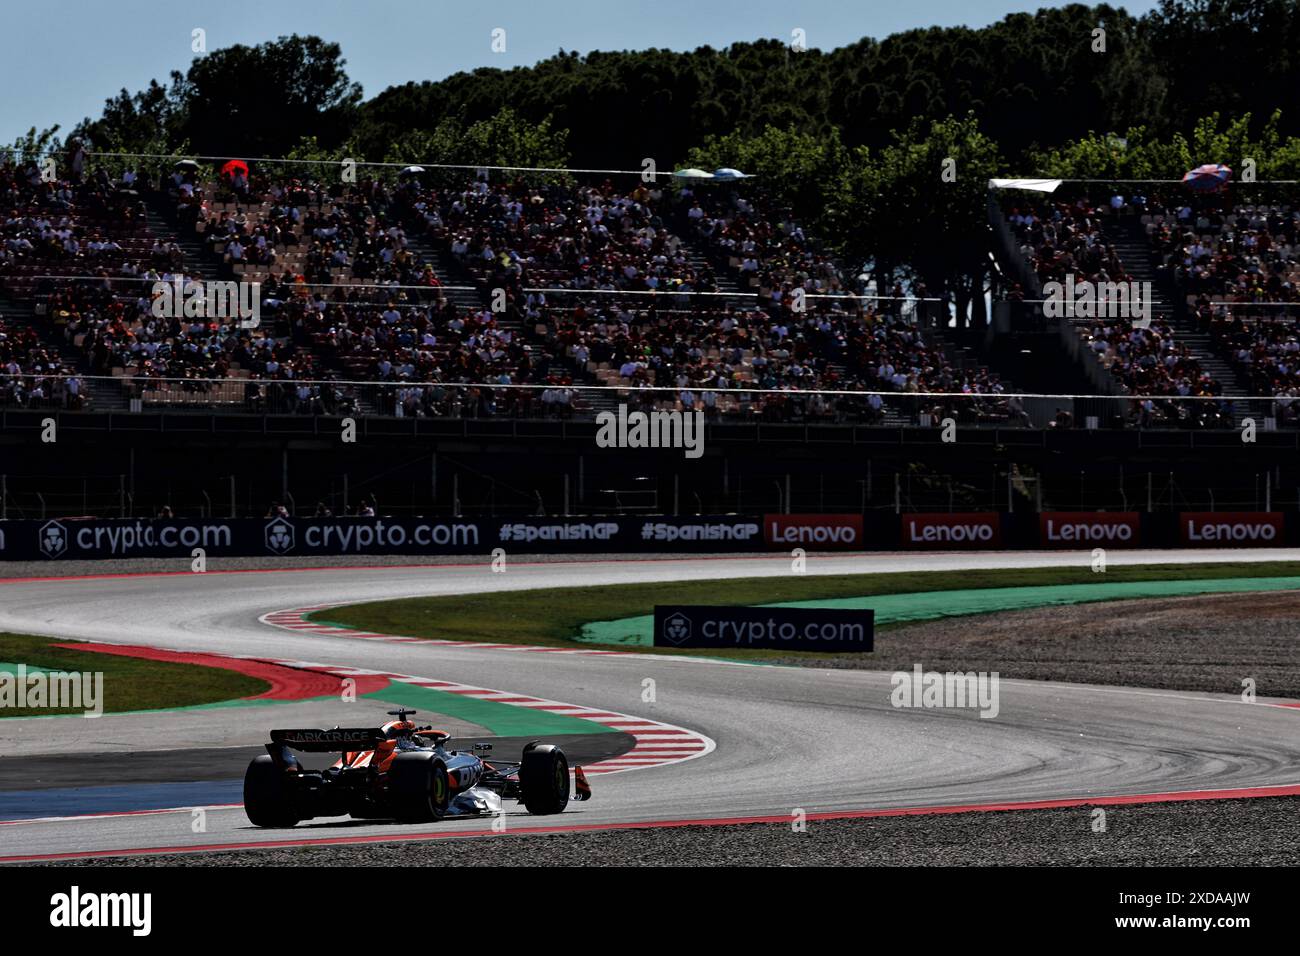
(60, 59)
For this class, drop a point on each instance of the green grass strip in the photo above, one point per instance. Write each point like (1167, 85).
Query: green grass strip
(130, 683)
(558, 616)
(931, 605)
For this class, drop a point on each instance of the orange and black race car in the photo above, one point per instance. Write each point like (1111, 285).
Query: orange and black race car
(403, 772)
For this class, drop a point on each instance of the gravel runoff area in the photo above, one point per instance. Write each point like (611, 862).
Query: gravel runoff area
(1207, 643)
(1261, 832)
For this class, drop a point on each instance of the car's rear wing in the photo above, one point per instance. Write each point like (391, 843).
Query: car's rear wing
(338, 740)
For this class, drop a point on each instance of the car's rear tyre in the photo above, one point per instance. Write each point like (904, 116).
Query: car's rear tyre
(268, 801)
(418, 788)
(544, 779)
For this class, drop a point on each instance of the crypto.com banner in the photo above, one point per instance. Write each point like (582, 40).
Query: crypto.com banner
(74, 539)
(772, 628)
(71, 539)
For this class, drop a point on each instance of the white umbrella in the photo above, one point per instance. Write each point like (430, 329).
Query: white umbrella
(692, 174)
(1036, 185)
(412, 170)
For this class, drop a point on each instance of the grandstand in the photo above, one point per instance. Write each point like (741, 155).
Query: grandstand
(1225, 275)
(477, 295)
(475, 323)
(379, 294)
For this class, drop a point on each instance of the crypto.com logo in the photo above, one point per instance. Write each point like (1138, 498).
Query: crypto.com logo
(279, 536)
(53, 539)
(678, 628)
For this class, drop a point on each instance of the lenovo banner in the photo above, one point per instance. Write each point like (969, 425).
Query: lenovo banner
(1112, 529)
(770, 628)
(1231, 529)
(818, 532)
(977, 531)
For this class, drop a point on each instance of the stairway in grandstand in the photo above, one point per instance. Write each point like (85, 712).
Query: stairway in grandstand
(965, 358)
(456, 281)
(894, 414)
(18, 313)
(22, 306)
(737, 296)
(459, 288)
(1136, 254)
(202, 263)
(196, 260)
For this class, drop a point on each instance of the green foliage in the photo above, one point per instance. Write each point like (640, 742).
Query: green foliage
(1032, 80)
(851, 139)
(237, 101)
(147, 122)
(1236, 56)
(33, 145)
(796, 168)
(897, 206)
(130, 683)
(1140, 155)
(315, 161)
(503, 139)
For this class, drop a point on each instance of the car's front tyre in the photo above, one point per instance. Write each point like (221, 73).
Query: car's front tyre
(544, 779)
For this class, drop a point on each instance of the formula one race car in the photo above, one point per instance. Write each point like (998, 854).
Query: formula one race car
(402, 772)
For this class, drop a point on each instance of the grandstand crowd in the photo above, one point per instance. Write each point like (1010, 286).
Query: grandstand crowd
(1231, 268)
(602, 286)
(426, 296)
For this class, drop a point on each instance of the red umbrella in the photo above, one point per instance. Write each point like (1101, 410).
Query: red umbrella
(235, 164)
(1208, 178)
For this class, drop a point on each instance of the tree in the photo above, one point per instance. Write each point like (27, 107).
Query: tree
(262, 100)
(146, 123)
(1138, 154)
(919, 207)
(1237, 55)
(797, 169)
(504, 139)
(30, 147)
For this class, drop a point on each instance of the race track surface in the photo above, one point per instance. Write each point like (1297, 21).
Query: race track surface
(786, 738)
